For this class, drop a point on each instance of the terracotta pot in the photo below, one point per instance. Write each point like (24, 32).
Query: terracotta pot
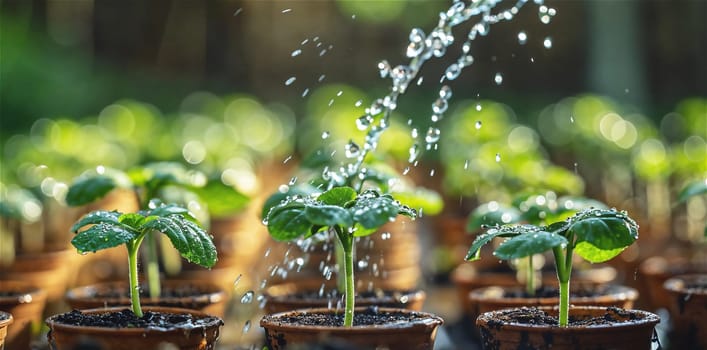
(211, 300)
(279, 299)
(656, 270)
(417, 335)
(467, 277)
(5, 322)
(634, 334)
(26, 304)
(48, 271)
(492, 298)
(688, 311)
(63, 336)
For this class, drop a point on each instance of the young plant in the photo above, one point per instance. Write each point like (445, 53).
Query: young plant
(108, 229)
(533, 209)
(150, 182)
(341, 211)
(596, 235)
(693, 189)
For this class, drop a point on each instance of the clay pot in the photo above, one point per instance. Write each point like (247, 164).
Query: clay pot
(211, 300)
(415, 335)
(26, 304)
(63, 336)
(5, 321)
(656, 270)
(634, 334)
(467, 277)
(688, 311)
(279, 299)
(48, 271)
(492, 299)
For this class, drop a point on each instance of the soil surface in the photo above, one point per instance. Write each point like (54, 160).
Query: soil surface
(367, 317)
(534, 316)
(554, 292)
(127, 319)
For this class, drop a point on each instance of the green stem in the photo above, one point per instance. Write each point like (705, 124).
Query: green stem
(340, 262)
(153, 268)
(564, 303)
(347, 244)
(530, 277)
(132, 271)
(563, 263)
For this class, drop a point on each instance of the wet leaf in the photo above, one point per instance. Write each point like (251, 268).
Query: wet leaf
(103, 235)
(288, 222)
(89, 189)
(338, 196)
(529, 244)
(373, 212)
(188, 238)
(604, 229)
(97, 217)
(596, 255)
(328, 215)
(484, 238)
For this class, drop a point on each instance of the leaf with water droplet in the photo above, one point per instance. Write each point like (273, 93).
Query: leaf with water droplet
(529, 244)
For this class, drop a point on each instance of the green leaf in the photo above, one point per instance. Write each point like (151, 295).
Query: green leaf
(430, 202)
(529, 244)
(338, 196)
(278, 197)
(604, 229)
(328, 215)
(595, 255)
(484, 238)
(288, 222)
(97, 217)
(168, 209)
(132, 219)
(692, 189)
(89, 189)
(360, 231)
(103, 235)
(190, 240)
(492, 214)
(372, 211)
(221, 199)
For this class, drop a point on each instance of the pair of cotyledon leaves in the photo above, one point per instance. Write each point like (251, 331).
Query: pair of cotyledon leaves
(597, 235)
(340, 207)
(108, 229)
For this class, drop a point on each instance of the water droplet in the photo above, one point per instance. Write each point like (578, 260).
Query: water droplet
(339, 93)
(296, 53)
(478, 124)
(237, 280)
(363, 122)
(325, 135)
(414, 152)
(452, 71)
(416, 35)
(432, 135)
(321, 78)
(247, 298)
(547, 43)
(419, 81)
(498, 79)
(384, 68)
(445, 92)
(440, 106)
(522, 38)
(352, 149)
(572, 119)
(305, 92)
(246, 326)
(286, 10)
(238, 11)
(358, 103)
(478, 109)
(414, 49)
(290, 80)
(498, 157)
(466, 164)
(293, 181)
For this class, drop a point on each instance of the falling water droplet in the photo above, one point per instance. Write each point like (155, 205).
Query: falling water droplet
(440, 106)
(466, 164)
(321, 78)
(498, 157)
(237, 280)
(247, 298)
(363, 122)
(419, 81)
(293, 181)
(478, 107)
(478, 124)
(305, 92)
(384, 68)
(432, 135)
(452, 71)
(547, 43)
(286, 10)
(246, 326)
(572, 119)
(238, 11)
(325, 135)
(290, 80)
(498, 79)
(522, 38)
(445, 92)
(296, 53)
(358, 103)
(352, 149)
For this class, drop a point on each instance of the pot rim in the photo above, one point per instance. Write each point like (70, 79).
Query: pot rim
(4, 322)
(676, 284)
(649, 318)
(212, 292)
(615, 293)
(54, 325)
(25, 292)
(413, 294)
(429, 321)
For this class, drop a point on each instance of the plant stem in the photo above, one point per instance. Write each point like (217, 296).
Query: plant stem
(152, 267)
(340, 262)
(346, 241)
(132, 271)
(564, 303)
(563, 264)
(530, 277)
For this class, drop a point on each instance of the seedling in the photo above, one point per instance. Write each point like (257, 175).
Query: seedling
(693, 189)
(534, 209)
(596, 235)
(341, 211)
(108, 229)
(149, 182)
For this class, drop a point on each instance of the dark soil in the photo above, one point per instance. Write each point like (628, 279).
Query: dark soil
(534, 316)
(127, 319)
(368, 317)
(554, 292)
